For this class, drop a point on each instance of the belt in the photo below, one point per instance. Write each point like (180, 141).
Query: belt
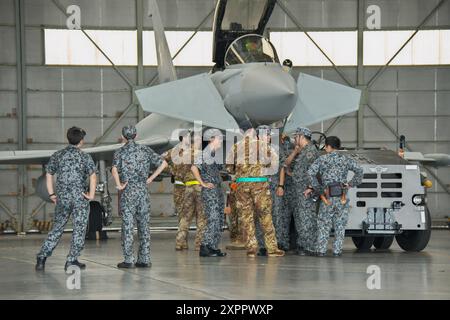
(252, 179)
(179, 183)
(191, 183)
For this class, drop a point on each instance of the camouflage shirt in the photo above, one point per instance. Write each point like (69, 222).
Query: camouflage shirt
(334, 167)
(133, 162)
(181, 167)
(208, 166)
(301, 164)
(252, 158)
(72, 168)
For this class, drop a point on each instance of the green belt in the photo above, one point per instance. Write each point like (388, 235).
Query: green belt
(252, 179)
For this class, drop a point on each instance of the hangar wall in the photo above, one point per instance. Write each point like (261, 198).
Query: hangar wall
(415, 101)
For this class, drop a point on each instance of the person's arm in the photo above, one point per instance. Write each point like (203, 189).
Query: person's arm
(280, 188)
(292, 156)
(91, 171)
(50, 169)
(230, 160)
(115, 174)
(312, 175)
(160, 169)
(51, 192)
(358, 174)
(198, 177)
(92, 187)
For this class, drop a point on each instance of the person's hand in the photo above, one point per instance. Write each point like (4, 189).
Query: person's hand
(288, 172)
(89, 196)
(122, 186)
(208, 185)
(53, 198)
(307, 192)
(149, 180)
(280, 191)
(297, 149)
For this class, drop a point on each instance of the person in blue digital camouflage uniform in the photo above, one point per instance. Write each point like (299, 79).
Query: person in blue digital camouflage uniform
(72, 168)
(206, 170)
(299, 161)
(333, 169)
(131, 168)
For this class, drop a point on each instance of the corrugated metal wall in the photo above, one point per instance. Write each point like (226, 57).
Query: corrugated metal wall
(414, 100)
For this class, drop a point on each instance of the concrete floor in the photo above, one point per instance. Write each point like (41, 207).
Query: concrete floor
(183, 275)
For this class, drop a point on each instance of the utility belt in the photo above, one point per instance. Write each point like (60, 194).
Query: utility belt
(187, 183)
(252, 179)
(334, 190)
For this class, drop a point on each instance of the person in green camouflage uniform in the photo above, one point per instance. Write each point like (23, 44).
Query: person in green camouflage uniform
(253, 195)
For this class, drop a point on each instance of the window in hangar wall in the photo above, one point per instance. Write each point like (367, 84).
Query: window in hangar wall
(71, 47)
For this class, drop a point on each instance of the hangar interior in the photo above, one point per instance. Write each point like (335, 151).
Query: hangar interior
(41, 97)
(40, 100)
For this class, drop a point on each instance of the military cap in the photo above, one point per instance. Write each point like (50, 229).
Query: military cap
(303, 131)
(129, 132)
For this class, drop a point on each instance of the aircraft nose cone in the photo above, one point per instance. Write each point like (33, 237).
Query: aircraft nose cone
(270, 93)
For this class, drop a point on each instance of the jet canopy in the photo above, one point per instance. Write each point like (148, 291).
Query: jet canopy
(249, 49)
(236, 18)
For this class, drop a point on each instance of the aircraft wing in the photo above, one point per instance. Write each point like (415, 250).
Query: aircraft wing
(320, 100)
(190, 99)
(98, 153)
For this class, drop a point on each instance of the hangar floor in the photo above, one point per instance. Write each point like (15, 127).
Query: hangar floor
(183, 275)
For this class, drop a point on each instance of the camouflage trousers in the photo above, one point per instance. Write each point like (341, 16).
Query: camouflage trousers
(191, 207)
(214, 206)
(233, 219)
(135, 205)
(178, 193)
(80, 214)
(254, 202)
(335, 215)
(305, 219)
(282, 212)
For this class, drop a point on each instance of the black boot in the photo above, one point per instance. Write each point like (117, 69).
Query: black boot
(125, 265)
(75, 263)
(262, 252)
(143, 265)
(40, 263)
(218, 252)
(204, 251)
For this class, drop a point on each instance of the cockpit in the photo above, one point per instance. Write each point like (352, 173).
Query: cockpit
(235, 19)
(249, 49)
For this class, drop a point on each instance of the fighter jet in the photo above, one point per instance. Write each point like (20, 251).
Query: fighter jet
(247, 87)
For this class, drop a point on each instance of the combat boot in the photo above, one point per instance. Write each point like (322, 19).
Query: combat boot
(125, 265)
(74, 263)
(251, 253)
(218, 252)
(205, 252)
(262, 252)
(276, 253)
(321, 254)
(142, 265)
(40, 264)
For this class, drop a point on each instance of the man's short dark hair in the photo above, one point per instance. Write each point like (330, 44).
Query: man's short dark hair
(75, 135)
(333, 142)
